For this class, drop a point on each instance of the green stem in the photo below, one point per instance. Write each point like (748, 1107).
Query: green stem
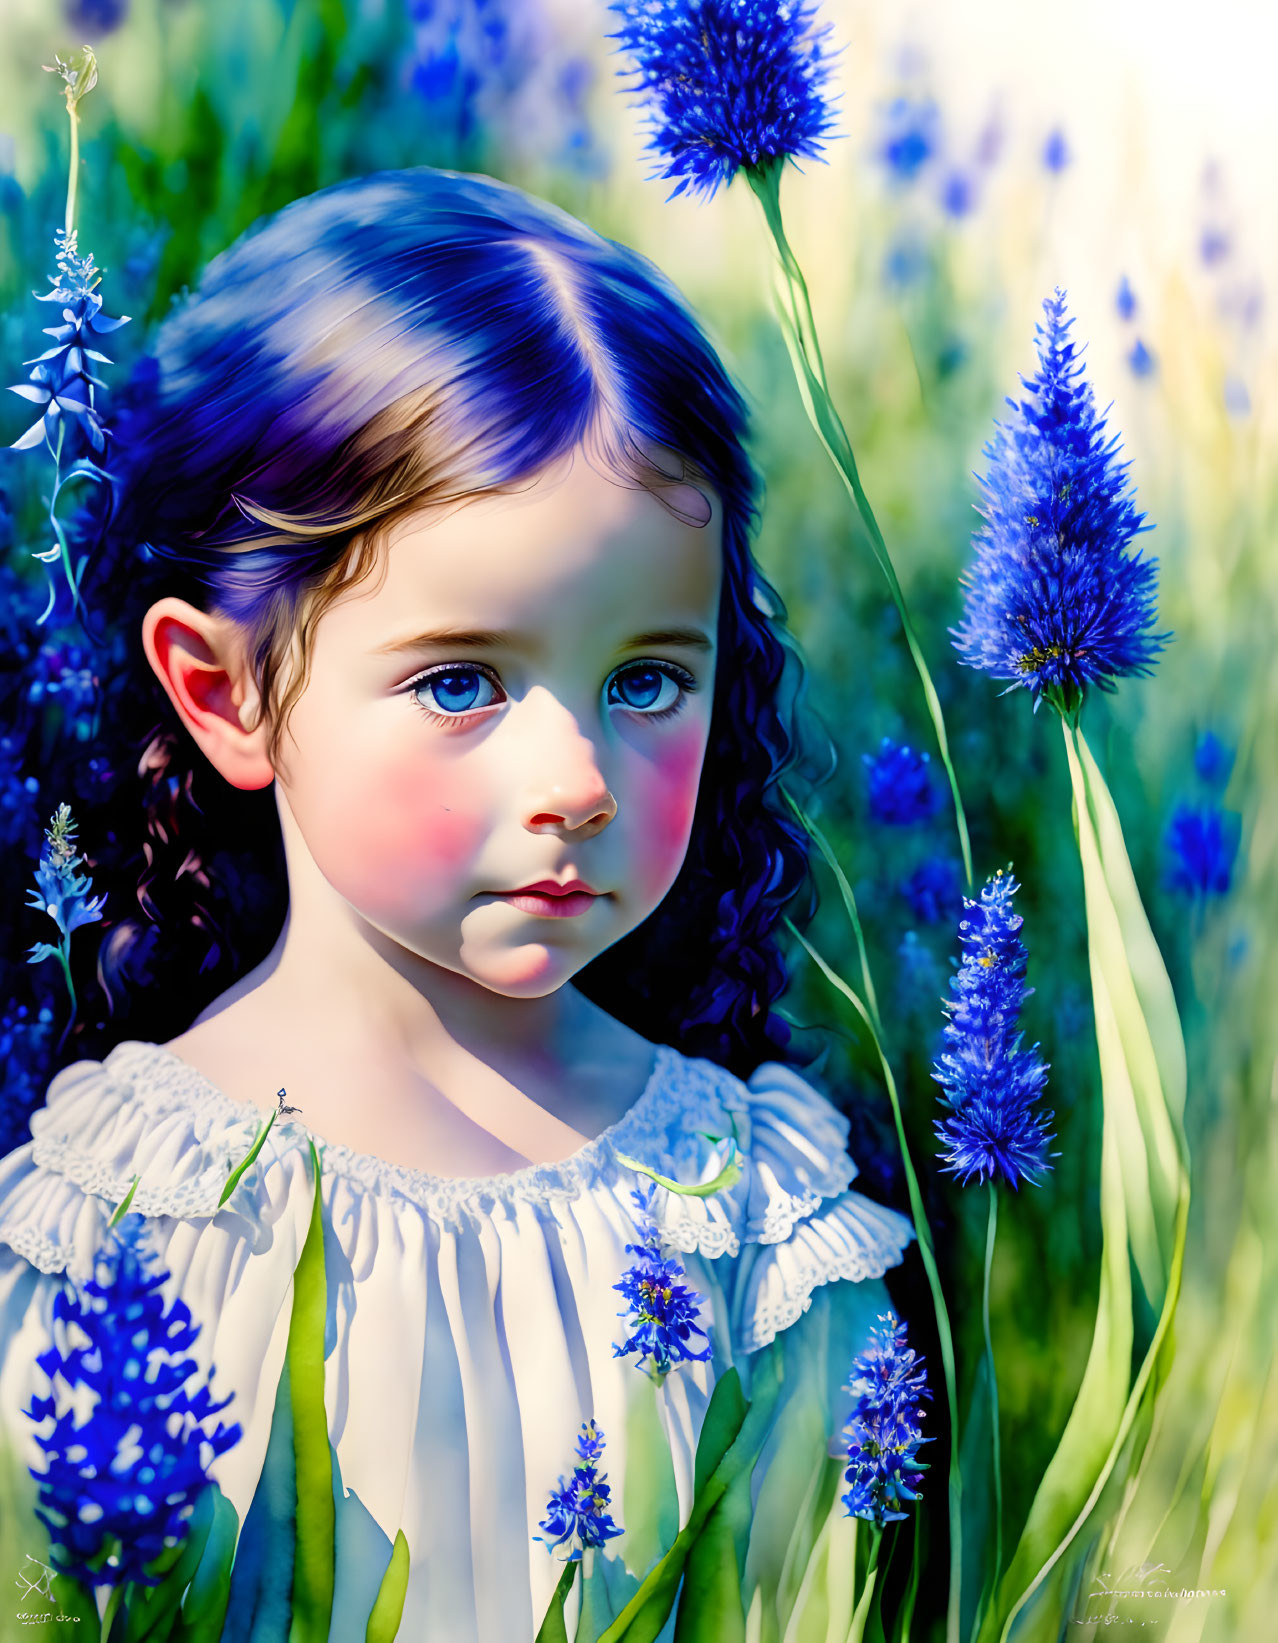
(64, 958)
(924, 1235)
(73, 173)
(798, 326)
(992, 1373)
(113, 1604)
(862, 1611)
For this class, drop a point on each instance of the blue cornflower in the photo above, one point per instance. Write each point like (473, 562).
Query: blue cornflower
(61, 381)
(901, 790)
(1213, 761)
(910, 137)
(933, 890)
(1125, 300)
(1140, 361)
(1202, 846)
(730, 83)
(883, 1432)
(662, 1312)
(1054, 599)
(61, 891)
(120, 1483)
(1056, 154)
(990, 1081)
(578, 1509)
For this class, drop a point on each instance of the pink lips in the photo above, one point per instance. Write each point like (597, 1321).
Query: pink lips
(547, 899)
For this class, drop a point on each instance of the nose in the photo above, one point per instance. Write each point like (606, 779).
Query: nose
(569, 790)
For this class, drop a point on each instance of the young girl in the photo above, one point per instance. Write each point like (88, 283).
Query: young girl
(439, 507)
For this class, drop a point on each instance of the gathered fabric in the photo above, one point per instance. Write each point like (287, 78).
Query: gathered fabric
(471, 1323)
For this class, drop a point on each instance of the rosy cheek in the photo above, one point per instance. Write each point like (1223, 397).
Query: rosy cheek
(411, 837)
(668, 802)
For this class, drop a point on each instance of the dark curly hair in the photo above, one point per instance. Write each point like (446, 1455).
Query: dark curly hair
(401, 340)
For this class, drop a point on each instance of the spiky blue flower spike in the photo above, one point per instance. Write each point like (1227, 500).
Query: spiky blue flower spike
(883, 1432)
(120, 1484)
(578, 1510)
(1056, 600)
(662, 1312)
(990, 1081)
(728, 83)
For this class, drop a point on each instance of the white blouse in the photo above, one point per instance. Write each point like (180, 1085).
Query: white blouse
(471, 1322)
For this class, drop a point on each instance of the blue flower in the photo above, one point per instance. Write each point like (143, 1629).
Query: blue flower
(662, 1312)
(990, 1081)
(1125, 300)
(97, 17)
(933, 890)
(901, 790)
(1140, 361)
(120, 1483)
(958, 193)
(579, 1509)
(61, 381)
(61, 891)
(1213, 761)
(730, 83)
(910, 137)
(1056, 154)
(1214, 245)
(1202, 846)
(24, 1055)
(1054, 599)
(883, 1432)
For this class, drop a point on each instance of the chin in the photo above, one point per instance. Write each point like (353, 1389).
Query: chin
(530, 971)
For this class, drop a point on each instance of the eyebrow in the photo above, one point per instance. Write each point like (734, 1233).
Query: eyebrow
(478, 639)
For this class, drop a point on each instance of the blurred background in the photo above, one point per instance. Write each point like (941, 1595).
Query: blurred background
(990, 152)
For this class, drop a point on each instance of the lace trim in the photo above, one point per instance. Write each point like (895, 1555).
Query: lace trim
(195, 1200)
(34, 1246)
(859, 1264)
(173, 1085)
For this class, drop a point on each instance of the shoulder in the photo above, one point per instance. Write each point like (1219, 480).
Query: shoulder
(790, 1216)
(138, 1122)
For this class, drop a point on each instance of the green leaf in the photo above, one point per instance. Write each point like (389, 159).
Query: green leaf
(388, 1610)
(1144, 1194)
(732, 1435)
(553, 1628)
(313, 1566)
(205, 1601)
(232, 1180)
(122, 1209)
(151, 1610)
(727, 1177)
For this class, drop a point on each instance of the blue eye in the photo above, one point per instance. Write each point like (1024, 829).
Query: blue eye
(455, 690)
(647, 688)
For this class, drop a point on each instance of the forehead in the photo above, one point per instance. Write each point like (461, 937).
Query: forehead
(576, 548)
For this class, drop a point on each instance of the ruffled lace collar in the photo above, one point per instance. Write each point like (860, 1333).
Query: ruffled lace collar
(156, 1077)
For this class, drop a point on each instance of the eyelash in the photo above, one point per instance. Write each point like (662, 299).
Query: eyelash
(672, 670)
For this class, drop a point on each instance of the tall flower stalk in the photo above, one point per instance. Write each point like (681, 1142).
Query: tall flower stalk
(1059, 603)
(742, 86)
(62, 893)
(61, 381)
(993, 1130)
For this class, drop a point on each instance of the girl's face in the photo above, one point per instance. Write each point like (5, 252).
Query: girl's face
(523, 698)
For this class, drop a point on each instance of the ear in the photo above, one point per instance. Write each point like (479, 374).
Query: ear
(201, 660)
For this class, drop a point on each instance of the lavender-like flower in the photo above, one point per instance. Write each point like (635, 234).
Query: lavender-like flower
(729, 83)
(883, 1432)
(1125, 300)
(120, 1484)
(900, 787)
(62, 893)
(990, 1081)
(1140, 361)
(579, 1509)
(1201, 844)
(1056, 153)
(662, 1311)
(1054, 600)
(61, 381)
